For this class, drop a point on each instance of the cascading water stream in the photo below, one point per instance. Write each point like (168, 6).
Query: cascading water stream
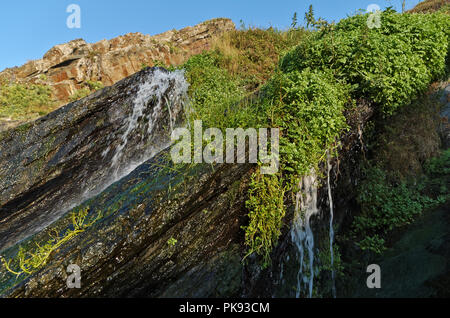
(330, 201)
(143, 128)
(156, 88)
(301, 234)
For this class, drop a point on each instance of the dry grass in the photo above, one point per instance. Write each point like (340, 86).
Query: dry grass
(429, 6)
(253, 54)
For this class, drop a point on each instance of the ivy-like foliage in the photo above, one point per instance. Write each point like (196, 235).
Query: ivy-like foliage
(266, 215)
(30, 261)
(387, 204)
(390, 65)
(310, 116)
(330, 70)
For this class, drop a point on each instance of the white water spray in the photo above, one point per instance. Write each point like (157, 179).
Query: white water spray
(157, 89)
(164, 88)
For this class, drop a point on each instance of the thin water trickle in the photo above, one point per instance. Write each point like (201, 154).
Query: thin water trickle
(301, 234)
(330, 201)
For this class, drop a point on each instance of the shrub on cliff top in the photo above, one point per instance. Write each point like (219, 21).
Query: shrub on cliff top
(308, 109)
(391, 65)
(307, 95)
(252, 54)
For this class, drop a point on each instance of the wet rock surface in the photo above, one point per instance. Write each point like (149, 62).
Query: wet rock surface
(58, 161)
(281, 278)
(166, 231)
(127, 253)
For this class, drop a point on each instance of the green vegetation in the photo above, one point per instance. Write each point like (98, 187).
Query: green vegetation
(267, 210)
(390, 65)
(401, 144)
(24, 101)
(172, 242)
(307, 93)
(213, 91)
(405, 173)
(308, 107)
(387, 204)
(28, 261)
(251, 55)
(90, 87)
(30, 101)
(302, 81)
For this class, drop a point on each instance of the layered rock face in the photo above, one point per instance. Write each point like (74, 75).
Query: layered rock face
(67, 66)
(165, 231)
(56, 162)
(128, 252)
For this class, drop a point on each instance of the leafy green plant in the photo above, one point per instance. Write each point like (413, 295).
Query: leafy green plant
(24, 101)
(29, 261)
(172, 242)
(386, 204)
(390, 65)
(310, 116)
(267, 210)
(213, 91)
(437, 170)
(440, 165)
(326, 73)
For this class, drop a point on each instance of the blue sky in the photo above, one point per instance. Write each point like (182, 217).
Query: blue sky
(29, 28)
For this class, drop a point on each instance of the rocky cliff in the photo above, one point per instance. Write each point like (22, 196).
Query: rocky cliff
(66, 67)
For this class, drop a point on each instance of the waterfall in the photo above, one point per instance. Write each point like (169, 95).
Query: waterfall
(143, 127)
(156, 88)
(330, 201)
(301, 233)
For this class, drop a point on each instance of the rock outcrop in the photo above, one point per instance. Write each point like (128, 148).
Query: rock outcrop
(165, 231)
(128, 252)
(67, 67)
(56, 162)
(429, 6)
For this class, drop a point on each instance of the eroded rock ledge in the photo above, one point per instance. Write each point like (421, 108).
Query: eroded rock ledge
(66, 66)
